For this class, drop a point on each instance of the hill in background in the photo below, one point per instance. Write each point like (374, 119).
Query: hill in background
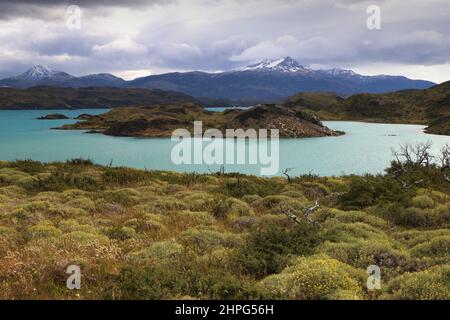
(430, 106)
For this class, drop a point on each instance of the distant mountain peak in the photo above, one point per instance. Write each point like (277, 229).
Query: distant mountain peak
(340, 72)
(38, 72)
(286, 64)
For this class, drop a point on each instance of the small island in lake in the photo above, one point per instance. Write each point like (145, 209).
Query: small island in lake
(53, 116)
(162, 120)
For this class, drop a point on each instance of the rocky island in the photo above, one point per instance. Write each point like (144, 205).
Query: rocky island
(53, 116)
(162, 120)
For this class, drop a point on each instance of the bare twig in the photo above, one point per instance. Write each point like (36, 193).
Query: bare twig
(310, 210)
(286, 173)
(290, 215)
(445, 162)
(306, 213)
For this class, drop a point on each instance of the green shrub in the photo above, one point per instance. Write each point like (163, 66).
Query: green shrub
(8, 234)
(159, 251)
(269, 247)
(153, 227)
(190, 219)
(425, 218)
(271, 202)
(12, 192)
(231, 208)
(251, 198)
(43, 230)
(27, 165)
(430, 284)
(314, 278)
(71, 225)
(83, 203)
(123, 176)
(204, 240)
(59, 181)
(438, 247)
(364, 253)
(423, 201)
(197, 201)
(370, 190)
(125, 197)
(157, 282)
(412, 238)
(360, 216)
(121, 233)
(347, 232)
(82, 238)
(162, 205)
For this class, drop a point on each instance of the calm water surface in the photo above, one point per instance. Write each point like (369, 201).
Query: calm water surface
(366, 148)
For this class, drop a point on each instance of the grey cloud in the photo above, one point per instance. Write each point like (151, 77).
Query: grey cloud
(43, 9)
(319, 32)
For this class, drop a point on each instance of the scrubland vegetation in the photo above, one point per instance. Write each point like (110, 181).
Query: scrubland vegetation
(162, 235)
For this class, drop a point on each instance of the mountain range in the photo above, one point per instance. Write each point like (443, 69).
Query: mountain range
(266, 81)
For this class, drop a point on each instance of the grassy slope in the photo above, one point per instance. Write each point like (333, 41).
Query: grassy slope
(431, 106)
(152, 235)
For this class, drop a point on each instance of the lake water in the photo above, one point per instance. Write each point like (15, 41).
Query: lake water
(366, 148)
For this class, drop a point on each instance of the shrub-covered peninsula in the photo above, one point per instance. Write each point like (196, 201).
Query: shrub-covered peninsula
(162, 120)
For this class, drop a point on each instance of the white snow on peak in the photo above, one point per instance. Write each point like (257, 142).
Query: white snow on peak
(286, 64)
(37, 72)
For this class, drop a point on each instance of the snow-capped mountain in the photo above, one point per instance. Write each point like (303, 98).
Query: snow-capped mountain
(42, 75)
(275, 80)
(289, 65)
(268, 80)
(286, 64)
(340, 72)
(40, 72)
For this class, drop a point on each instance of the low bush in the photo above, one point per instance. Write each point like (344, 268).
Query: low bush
(205, 240)
(423, 202)
(231, 208)
(43, 230)
(364, 253)
(314, 278)
(430, 284)
(438, 247)
(270, 247)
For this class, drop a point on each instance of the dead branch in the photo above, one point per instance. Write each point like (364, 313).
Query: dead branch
(410, 157)
(290, 215)
(445, 162)
(417, 155)
(306, 213)
(310, 210)
(286, 173)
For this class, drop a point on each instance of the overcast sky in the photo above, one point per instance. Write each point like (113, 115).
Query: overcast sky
(137, 37)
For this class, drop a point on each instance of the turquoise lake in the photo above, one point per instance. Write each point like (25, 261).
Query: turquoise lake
(366, 147)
